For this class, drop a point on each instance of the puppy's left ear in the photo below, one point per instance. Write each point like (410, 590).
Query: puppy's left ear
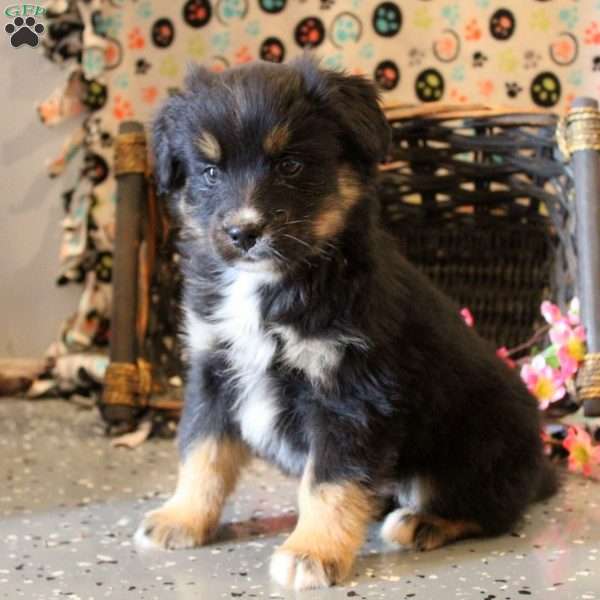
(354, 101)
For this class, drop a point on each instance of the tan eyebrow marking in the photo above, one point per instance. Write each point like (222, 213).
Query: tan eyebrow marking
(209, 146)
(276, 139)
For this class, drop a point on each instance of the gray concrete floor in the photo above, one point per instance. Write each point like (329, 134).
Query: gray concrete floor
(69, 504)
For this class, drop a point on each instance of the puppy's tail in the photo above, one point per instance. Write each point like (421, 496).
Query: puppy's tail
(548, 481)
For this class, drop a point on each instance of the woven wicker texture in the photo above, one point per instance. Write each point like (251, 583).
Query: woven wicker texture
(479, 200)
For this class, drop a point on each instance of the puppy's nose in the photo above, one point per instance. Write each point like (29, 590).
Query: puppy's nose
(244, 236)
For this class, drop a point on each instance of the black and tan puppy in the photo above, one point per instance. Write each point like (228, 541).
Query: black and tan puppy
(313, 344)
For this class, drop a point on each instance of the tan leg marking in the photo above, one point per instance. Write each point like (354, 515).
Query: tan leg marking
(424, 532)
(332, 218)
(209, 146)
(331, 528)
(191, 516)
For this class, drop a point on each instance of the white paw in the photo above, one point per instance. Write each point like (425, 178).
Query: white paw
(399, 527)
(300, 572)
(170, 528)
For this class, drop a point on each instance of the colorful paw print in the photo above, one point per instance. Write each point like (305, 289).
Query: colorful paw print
(272, 50)
(163, 33)
(387, 75)
(429, 85)
(310, 32)
(486, 87)
(135, 39)
(221, 41)
(422, 18)
(243, 55)
(149, 94)
(144, 9)
(545, 89)
(169, 67)
(564, 49)
(345, 29)
(473, 31)
(197, 13)
(502, 24)
(451, 13)
(122, 108)
(569, 16)
(272, 6)
(231, 10)
(592, 34)
(387, 19)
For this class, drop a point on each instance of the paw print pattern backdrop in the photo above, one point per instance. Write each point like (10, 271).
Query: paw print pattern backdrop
(127, 55)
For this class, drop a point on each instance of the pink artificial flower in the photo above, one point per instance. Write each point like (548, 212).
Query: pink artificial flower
(465, 313)
(570, 343)
(582, 454)
(544, 382)
(551, 312)
(504, 354)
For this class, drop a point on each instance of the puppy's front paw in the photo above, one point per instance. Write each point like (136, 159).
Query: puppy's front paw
(303, 570)
(171, 527)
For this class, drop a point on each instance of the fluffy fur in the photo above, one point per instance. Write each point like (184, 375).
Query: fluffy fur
(314, 343)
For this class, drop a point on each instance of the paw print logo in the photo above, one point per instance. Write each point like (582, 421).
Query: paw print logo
(163, 33)
(327, 4)
(387, 75)
(310, 32)
(513, 89)
(545, 89)
(387, 19)
(502, 24)
(24, 32)
(596, 63)
(197, 13)
(478, 59)
(486, 87)
(272, 50)
(345, 29)
(429, 85)
(272, 6)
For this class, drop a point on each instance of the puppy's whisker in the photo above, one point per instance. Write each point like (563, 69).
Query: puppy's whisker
(293, 237)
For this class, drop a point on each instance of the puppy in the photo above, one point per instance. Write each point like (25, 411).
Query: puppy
(311, 341)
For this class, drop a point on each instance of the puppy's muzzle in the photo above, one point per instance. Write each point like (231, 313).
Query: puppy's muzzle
(244, 236)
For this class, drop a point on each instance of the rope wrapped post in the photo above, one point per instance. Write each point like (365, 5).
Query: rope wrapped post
(582, 143)
(127, 381)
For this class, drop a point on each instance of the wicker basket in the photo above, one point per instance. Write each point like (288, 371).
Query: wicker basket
(477, 198)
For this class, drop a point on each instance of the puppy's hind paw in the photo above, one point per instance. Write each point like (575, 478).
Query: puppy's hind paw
(167, 528)
(303, 572)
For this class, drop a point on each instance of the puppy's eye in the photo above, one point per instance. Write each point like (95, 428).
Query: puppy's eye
(289, 167)
(211, 175)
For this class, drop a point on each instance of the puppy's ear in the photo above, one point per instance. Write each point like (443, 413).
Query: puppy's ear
(167, 147)
(354, 102)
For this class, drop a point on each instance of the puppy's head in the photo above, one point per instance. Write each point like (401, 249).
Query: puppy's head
(265, 163)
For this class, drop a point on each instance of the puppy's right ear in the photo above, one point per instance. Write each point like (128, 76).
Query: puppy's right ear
(171, 127)
(168, 147)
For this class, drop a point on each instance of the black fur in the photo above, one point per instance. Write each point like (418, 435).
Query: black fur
(417, 393)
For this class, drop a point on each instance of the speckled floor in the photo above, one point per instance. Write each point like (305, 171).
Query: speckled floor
(69, 504)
